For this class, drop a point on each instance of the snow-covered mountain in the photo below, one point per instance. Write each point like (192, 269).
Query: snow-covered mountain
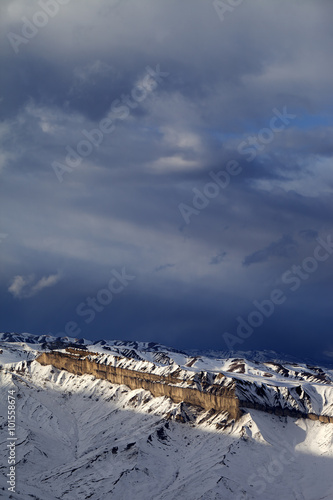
(81, 437)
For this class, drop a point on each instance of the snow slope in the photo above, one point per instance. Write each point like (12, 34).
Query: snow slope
(81, 437)
(292, 386)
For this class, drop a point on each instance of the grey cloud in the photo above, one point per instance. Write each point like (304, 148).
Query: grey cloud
(163, 267)
(217, 259)
(119, 207)
(285, 247)
(309, 234)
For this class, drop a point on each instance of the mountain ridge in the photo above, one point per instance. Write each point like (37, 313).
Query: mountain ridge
(79, 436)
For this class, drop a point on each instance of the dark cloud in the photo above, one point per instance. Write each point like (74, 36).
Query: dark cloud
(217, 259)
(309, 234)
(285, 247)
(119, 205)
(163, 267)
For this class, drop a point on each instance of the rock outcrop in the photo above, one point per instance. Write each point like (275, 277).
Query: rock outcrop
(198, 391)
(212, 396)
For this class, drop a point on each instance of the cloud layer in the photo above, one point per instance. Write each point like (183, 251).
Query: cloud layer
(133, 145)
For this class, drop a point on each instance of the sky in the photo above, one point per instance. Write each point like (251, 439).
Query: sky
(167, 172)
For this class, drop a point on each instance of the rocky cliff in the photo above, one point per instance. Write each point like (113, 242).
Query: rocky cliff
(211, 397)
(218, 392)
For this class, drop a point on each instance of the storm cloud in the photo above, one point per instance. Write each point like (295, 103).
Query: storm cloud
(115, 114)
